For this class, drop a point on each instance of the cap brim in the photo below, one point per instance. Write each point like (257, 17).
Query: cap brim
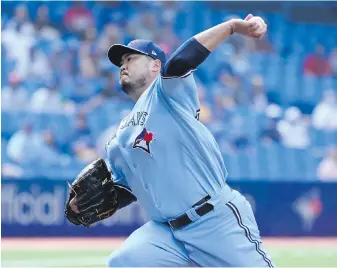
(116, 52)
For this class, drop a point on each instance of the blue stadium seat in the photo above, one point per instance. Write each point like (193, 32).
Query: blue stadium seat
(311, 164)
(232, 164)
(309, 87)
(13, 121)
(322, 138)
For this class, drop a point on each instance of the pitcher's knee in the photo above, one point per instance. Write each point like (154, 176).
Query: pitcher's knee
(115, 260)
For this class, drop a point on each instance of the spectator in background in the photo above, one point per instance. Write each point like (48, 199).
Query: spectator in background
(223, 110)
(88, 79)
(167, 39)
(240, 64)
(222, 107)
(88, 83)
(110, 89)
(9, 40)
(14, 96)
(258, 95)
(227, 84)
(18, 42)
(333, 62)
(22, 144)
(317, 64)
(168, 9)
(81, 142)
(6, 65)
(20, 18)
(112, 34)
(46, 29)
(48, 152)
(62, 60)
(143, 26)
(47, 100)
(12, 170)
(238, 135)
(29, 148)
(83, 85)
(39, 65)
(112, 11)
(87, 49)
(259, 45)
(327, 169)
(270, 134)
(78, 18)
(294, 129)
(89, 42)
(325, 113)
(221, 56)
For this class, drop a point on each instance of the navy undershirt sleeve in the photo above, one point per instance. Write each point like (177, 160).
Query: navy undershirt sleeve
(186, 58)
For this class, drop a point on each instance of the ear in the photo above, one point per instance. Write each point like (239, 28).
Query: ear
(156, 65)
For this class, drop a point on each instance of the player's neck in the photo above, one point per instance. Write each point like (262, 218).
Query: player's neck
(139, 91)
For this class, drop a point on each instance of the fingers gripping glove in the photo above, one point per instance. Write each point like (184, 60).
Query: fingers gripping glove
(95, 195)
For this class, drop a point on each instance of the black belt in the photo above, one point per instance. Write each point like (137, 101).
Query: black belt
(184, 220)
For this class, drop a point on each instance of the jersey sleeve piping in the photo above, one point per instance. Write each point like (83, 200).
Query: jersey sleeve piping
(182, 76)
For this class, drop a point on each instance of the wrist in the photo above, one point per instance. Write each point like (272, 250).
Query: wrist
(232, 25)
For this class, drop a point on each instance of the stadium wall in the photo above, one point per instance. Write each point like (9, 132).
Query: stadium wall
(35, 208)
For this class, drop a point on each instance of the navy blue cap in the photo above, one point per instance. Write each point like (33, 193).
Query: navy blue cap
(138, 46)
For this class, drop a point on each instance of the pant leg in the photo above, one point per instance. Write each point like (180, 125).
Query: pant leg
(227, 236)
(153, 244)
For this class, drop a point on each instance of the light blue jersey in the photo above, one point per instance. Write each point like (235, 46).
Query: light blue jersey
(163, 153)
(171, 161)
(174, 167)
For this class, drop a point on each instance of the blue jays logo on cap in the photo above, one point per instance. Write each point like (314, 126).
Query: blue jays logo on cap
(143, 140)
(138, 46)
(132, 42)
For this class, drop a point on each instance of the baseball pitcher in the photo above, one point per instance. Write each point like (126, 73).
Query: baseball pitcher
(164, 158)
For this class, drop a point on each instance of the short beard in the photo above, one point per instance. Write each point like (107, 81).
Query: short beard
(132, 87)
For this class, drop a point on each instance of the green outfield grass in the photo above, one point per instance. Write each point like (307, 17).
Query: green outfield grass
(282, 256)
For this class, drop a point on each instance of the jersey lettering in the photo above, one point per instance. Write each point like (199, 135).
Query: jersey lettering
(136, 119)
(197, 116)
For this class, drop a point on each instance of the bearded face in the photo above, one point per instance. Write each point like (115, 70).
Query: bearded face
(134, 72)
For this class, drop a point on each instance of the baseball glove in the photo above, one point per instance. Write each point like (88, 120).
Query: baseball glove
(95, 195)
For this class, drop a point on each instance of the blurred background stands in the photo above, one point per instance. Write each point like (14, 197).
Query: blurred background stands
(270, 103)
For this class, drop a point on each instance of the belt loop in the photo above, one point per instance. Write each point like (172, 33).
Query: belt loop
(192, 214)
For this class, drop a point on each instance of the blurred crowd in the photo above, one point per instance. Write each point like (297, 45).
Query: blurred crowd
(61, 99)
